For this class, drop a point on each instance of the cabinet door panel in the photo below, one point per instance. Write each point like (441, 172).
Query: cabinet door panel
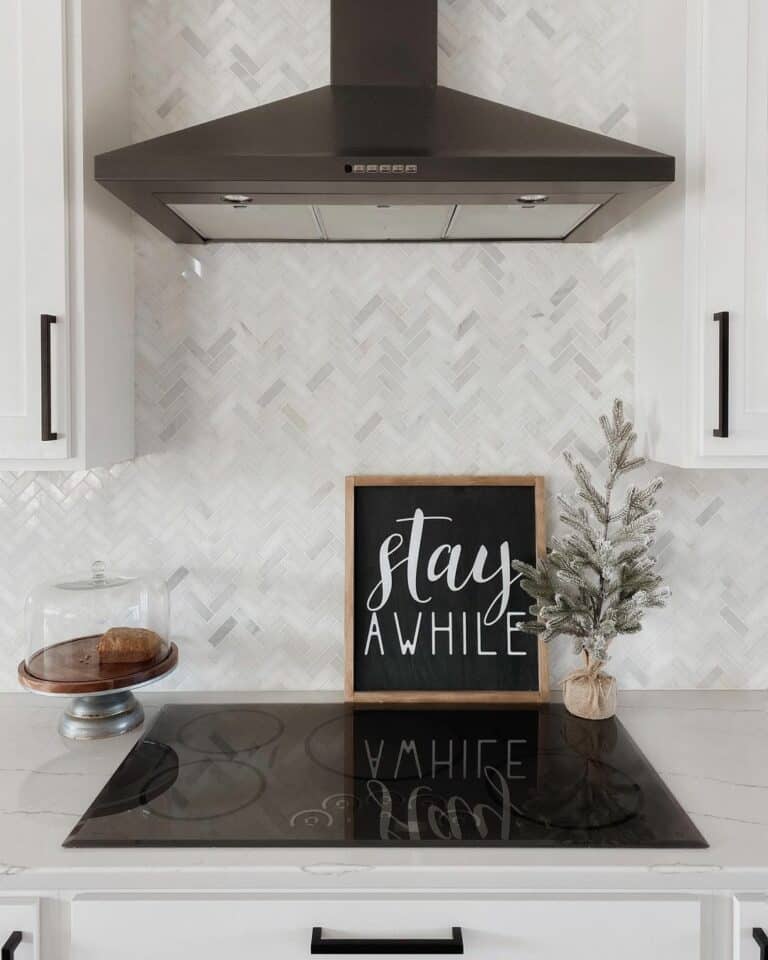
(735, 221)
(21, 916)
(493, 929)
(748, 914)
(33, 242)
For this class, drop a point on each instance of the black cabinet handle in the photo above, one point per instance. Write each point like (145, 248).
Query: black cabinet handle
(762, 941)
(452, 944)
(723, 319)
(46, 320)
(9, 947)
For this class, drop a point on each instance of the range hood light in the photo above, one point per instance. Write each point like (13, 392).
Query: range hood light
(237, 198)
(531, 198)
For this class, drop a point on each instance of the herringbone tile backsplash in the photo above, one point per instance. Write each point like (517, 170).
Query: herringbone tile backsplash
(267, 373)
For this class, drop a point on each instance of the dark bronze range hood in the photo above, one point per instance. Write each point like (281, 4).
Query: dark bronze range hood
(383, 153)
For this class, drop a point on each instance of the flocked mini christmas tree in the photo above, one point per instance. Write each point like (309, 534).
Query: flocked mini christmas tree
(598, 579)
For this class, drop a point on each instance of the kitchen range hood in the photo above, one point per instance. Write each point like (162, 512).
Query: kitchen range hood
(383, 153)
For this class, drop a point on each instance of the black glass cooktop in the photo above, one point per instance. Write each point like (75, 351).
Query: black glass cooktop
(323, 775)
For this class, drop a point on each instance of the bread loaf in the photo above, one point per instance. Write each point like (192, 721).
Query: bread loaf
(128, 645)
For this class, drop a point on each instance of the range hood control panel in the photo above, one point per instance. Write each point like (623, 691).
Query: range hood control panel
(381, 168)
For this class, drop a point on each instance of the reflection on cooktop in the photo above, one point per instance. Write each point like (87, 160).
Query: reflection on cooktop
(332, 775)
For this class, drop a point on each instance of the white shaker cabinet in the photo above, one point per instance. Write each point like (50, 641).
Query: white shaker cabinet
(33, 241)
(703, 244)
(66, 325)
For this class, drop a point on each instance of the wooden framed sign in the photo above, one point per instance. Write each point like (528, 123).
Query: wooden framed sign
(432, 602)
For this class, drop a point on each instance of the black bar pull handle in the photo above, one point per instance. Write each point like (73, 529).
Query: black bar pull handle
(46, 321)
(761, 940)
(723, 318)
(9, 947)
(453, 944)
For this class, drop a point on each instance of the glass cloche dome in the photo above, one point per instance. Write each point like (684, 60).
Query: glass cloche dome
(90, 636)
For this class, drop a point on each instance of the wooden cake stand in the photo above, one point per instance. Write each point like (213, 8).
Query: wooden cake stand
(103, 704)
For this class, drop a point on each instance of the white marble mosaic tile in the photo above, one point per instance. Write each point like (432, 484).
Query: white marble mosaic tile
(279, 369)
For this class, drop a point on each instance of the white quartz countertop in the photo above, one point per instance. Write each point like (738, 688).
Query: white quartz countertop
(711, 749)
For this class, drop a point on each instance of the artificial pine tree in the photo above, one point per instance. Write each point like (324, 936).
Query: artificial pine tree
(597, 581)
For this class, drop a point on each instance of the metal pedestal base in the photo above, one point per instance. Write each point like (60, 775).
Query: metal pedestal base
(102, 716)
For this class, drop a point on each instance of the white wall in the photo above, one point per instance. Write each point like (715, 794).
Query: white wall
(279, 369)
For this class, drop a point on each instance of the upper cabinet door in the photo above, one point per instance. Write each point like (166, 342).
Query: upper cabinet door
(33, 241)
(734, 223)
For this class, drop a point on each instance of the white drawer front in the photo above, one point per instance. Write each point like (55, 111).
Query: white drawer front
(243, 929)
(749, 914)
(22, 916)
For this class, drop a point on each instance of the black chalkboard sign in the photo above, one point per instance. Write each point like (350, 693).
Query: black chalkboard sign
(432, 602)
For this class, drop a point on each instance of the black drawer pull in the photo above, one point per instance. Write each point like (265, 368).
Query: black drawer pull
(762, 941)
(9, 947)
(46, 321)
(453, 944)
(723, 319)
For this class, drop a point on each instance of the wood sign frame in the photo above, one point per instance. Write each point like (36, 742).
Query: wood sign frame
(432, 695)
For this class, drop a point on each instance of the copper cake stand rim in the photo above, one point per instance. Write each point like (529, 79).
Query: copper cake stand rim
(73, 688)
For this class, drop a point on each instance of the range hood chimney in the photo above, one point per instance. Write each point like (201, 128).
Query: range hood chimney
(384, 44)
(384, 153)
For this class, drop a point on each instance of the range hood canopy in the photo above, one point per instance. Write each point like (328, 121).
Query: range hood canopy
(383, 153)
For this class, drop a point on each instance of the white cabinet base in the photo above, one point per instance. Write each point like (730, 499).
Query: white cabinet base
(189, 928)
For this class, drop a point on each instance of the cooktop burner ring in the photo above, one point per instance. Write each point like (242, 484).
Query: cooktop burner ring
(260, 785)
(220, 746)
(610, 794)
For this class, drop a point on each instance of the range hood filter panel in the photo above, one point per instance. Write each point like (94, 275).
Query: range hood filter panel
(385, 222)
(544, 221)
(363, 222)
(254, 221)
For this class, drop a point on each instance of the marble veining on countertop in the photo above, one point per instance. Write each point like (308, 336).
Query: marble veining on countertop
(709, 747)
